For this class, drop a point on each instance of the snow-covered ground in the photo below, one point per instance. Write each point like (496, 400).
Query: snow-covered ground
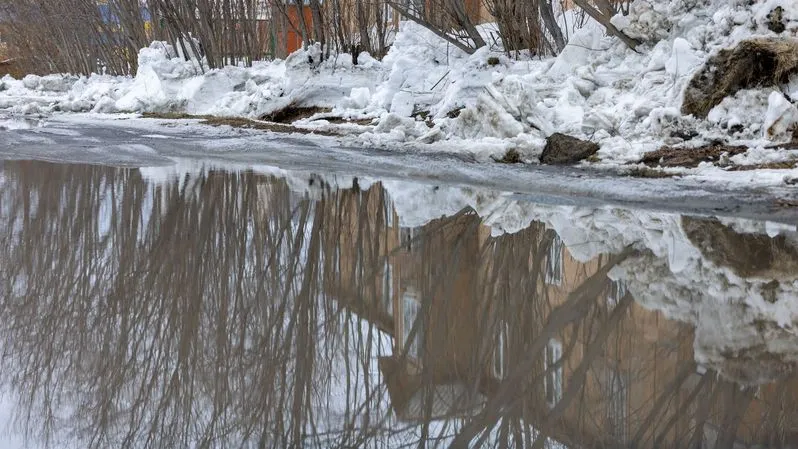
(428, 95)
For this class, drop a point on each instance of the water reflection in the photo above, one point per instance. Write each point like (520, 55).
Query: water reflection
(236, 309)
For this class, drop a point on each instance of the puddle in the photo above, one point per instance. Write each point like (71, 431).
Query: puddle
(195, 306)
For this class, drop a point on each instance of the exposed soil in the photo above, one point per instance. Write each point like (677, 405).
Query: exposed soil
(291, 114)
(238, 122)
(689, 157)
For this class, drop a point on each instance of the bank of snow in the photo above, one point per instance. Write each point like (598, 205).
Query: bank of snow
(427, 94)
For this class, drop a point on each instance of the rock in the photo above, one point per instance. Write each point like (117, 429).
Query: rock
(564, 149)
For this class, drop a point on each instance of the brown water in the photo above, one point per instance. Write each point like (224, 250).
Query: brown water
(234, 309)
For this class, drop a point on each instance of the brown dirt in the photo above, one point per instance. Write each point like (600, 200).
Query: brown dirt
(237, 122)
(753, 63)
(689, 157)
(290, 114)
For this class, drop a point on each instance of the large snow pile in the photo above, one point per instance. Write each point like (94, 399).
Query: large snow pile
(166, 82)
(428, 94)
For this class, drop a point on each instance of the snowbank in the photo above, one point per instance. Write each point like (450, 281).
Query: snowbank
(427, 94)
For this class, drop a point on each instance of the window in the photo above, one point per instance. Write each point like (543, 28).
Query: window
(388, 289)
(617, 410)
(500, 351)
(616, 293)
(408, 236)
(389, 221)
(388, 13)
(554, 269)
(411, 308)
(553, 384)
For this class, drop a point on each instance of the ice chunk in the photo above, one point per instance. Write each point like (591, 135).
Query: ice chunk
(683, 58)
(780, 116)
(403, 104)
(359, 97)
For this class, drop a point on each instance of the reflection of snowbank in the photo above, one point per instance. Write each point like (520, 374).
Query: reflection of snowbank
(743, 315)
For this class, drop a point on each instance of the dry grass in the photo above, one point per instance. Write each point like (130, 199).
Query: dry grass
(292, 113)
(689, 157)
(237, 122)
(753, 63)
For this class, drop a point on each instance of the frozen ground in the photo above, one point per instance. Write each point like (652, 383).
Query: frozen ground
(426, 96)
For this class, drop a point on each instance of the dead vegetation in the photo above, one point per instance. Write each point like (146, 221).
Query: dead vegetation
(292, 113)
(690, 157)
(237, 122)
(753, 63)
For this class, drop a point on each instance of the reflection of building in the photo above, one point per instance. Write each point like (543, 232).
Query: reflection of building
(463, 309)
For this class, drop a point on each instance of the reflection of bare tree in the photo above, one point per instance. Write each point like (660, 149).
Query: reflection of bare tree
(223, 309)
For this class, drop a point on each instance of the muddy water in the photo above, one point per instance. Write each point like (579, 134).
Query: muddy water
(210, 307)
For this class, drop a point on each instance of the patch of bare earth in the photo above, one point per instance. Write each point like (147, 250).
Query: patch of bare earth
(290, 114)
(690, 157)
(238, 122)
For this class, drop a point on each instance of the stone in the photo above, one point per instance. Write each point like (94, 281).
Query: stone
(564, 149)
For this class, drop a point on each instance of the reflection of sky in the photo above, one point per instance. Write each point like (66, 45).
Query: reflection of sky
(8, 438)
